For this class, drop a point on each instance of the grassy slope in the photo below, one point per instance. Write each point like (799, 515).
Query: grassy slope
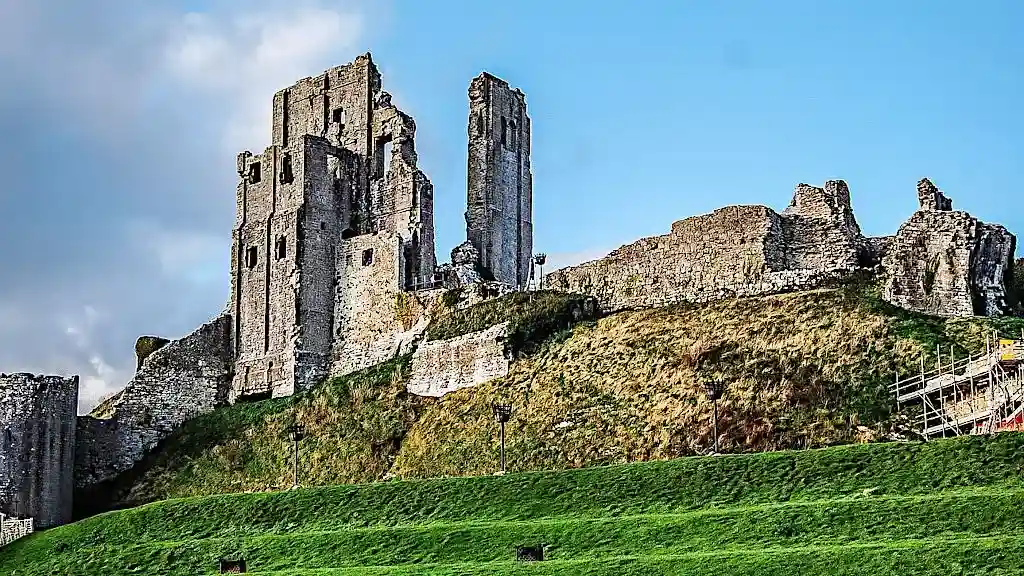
(947, 507)
(802, 369)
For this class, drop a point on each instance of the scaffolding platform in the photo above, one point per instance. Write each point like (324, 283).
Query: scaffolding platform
(980, 394)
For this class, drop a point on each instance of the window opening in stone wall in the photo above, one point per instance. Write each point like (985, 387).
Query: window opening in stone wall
(250, 257)
(479, 124)
(511, 135)
(338, 116)
(281, 247)
(8, 439)
(387, 159)
(347, 233)
(254, 173)
(504, 132)
(367, 256)
(287, 175)
(382, 156)
(323, 225)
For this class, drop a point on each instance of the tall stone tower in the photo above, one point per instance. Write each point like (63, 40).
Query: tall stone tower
(499, 215)
(341, 167)
(37, 447)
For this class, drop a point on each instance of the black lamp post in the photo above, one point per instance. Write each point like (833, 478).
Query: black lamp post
(296, 431)
(539, 260)
(714, 389)
(502, 412)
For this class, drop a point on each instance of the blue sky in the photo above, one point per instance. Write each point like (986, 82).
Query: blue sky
(121, 131)
(644, 116)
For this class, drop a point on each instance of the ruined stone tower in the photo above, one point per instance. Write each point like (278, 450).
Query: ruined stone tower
(499, 214)
(336, 195)
(37, 447)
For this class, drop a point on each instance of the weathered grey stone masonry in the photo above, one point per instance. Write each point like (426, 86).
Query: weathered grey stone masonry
(499, 211)
(37, 447)
(332, 270)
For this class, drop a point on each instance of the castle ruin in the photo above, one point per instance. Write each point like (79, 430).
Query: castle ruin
(333, 270)
(941, 261)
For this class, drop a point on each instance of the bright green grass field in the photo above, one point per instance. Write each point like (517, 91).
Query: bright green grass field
(952, 507)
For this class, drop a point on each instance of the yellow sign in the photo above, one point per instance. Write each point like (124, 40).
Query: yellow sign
(1006, 350)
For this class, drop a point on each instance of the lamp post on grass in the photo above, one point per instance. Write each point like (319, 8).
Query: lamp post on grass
(539, 260)
(296, 432)
(714, 390)
(502, 413)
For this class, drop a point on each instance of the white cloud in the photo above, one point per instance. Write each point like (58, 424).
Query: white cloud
(246, 58)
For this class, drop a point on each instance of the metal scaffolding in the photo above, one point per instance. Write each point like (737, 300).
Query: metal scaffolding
(980, 394)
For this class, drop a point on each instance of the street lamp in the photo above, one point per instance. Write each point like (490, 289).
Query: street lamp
(502, 412)
(714, 390)
(539, 260)
(296, 432)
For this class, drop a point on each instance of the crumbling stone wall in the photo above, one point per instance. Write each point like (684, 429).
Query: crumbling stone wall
(440, 367)
(180, 381)
(499, 212)
(819, 229)
(145, 346)
(734, 251)
(342, 165)
(375, 318)
(948, 262)
(37, 447)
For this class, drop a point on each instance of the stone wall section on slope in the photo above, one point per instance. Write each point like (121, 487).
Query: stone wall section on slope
(949, 263)
(37, 447)
(819, 229)
(734, 251)
(440, 367)
(182, 380)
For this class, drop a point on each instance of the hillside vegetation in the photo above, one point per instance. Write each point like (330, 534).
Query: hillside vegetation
(941, 508)
(801, 370)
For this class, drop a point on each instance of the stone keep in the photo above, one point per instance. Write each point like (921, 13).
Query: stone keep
(37, 447)
(337, 192)
(499, 212)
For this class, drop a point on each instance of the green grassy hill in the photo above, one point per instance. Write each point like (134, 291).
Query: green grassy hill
(942, 508)
(808, 369)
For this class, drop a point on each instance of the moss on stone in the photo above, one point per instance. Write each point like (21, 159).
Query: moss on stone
(147, 345)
